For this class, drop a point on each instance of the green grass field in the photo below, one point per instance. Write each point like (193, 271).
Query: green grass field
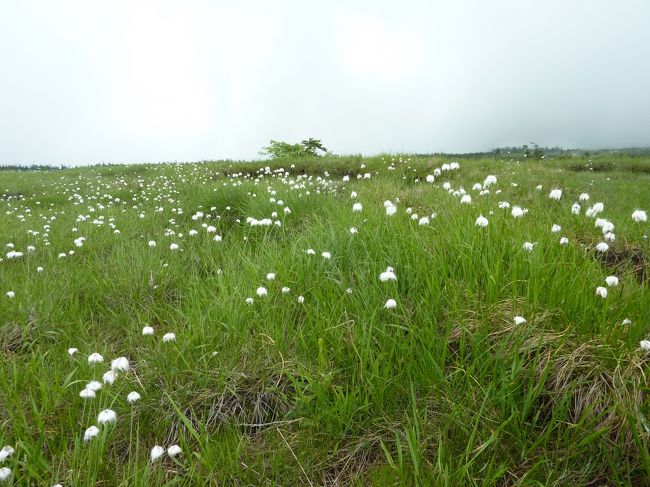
(321, 383)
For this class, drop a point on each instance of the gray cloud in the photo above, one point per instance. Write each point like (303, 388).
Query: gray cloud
(86, 82)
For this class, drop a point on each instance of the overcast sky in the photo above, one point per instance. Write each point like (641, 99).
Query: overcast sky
(83, 82)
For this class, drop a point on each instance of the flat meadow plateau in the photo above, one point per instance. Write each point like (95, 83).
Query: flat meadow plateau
(390, 320)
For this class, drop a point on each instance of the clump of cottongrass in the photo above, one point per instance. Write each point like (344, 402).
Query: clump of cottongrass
(645, 345)
(168, 337)
(519, 320)
(601, 291)
(72, 351)
(612, 281)
(555, 194)
(639, 216)
(326, 255)
(5, 473)
(147, 331)
(261, 292)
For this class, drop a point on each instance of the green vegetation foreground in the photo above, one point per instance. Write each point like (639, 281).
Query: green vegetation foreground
(337, 321)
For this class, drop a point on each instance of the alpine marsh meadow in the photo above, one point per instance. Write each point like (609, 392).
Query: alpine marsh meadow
(333, 321)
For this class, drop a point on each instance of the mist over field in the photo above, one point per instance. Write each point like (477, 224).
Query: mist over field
(325, 243)
(86, 82)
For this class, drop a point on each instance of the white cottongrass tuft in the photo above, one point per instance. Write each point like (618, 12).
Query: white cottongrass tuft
(173, 246)
(132, 397)
(120, 363)
(94, 385)
(174, 451)
(390, 304)
(90, 433)
(528, 246)
(388, 275)
(95, 358)
(168, 337)
(270, 276)
(147, 331)
(6, 452)
(87, 394)
(326, 255)
(612, 281)
(5, 473)
(601, 291)
(152, 243)
(261, 292)
(519, 320)
(357, 207)
(109, 377)
(645, 345)
(602, 247)
(157, 452)
(481, 221)
(72, 351)
(555, 194)
(639, 216)
(106, 416)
